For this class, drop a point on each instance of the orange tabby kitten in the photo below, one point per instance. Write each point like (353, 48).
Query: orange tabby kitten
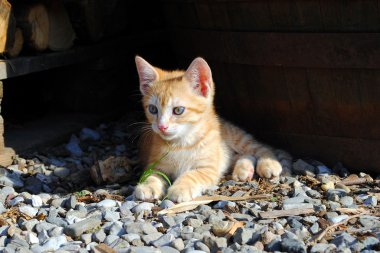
(179, 108)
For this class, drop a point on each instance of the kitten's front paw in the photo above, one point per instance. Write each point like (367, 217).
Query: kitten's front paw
(178, 193)
(244, 169)
(268, 167)
(148, 192)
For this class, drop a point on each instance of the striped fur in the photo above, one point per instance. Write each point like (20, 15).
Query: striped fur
(202, 147)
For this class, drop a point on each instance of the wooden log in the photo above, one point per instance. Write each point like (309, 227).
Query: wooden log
(14, 49)
(33, 19)
(87, 18)
(5, 12)
(61, 32)
(6, 156)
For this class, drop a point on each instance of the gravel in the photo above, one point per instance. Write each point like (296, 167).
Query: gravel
(50, 203)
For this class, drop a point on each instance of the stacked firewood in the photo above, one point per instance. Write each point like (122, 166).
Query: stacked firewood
(55, 25)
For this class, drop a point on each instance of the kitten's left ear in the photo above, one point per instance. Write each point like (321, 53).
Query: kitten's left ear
(200, 77)
(147, 74)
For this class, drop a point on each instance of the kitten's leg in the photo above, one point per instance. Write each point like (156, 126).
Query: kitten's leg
(152, 188)
(267, 165)
(192, 184)
(244, 168)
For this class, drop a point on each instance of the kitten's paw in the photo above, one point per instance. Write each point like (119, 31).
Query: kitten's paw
(179, 193)
(244, 169)
(268, 167)
(148, 192)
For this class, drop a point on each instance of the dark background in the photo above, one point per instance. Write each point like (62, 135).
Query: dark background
(300, 75)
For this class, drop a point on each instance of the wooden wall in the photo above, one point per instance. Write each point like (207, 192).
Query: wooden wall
(300, 75)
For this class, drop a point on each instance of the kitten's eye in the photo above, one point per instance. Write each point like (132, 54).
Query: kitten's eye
(152, 109)
(178, 110)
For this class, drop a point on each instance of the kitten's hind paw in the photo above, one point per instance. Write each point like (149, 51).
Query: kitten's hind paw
(148, 192)
(244, 169)
(268, 167)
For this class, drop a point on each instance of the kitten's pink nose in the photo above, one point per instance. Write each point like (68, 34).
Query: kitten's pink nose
(163, 127)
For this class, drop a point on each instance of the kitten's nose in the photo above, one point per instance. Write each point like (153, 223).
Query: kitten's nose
(163, 127)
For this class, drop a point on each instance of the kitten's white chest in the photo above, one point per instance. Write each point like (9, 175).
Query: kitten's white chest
(181, 161)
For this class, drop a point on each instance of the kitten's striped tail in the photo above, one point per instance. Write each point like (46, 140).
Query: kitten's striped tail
(244, 144)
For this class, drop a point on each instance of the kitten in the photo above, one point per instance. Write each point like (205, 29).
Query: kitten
(179, 109)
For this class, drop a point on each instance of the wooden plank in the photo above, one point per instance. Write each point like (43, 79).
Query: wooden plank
(29, 64)
(307, 50)
(248, 16)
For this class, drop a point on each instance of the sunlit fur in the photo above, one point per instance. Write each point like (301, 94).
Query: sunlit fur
(201, 146)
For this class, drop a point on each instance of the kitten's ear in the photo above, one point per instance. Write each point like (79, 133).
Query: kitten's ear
(200, 77)
(147, 74)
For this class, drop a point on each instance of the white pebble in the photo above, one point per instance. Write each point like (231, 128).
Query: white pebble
(36, 201)
(31, 238)
(338, 219)
(107, 203)
(28, 210)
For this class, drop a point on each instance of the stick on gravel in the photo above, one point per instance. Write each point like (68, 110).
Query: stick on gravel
(285, 213)
(204, 200)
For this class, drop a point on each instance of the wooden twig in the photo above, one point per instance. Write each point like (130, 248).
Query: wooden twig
(322, 234)
(360, 180)
(285, 213)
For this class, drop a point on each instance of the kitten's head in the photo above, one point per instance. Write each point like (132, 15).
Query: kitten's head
(175, 101)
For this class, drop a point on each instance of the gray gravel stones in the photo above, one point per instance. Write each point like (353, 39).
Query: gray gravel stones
(51, 216)
(76, 229)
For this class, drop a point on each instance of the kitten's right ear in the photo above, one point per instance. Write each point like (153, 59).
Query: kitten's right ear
(147, 74)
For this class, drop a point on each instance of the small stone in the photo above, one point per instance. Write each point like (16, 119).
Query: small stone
(167, 221)
(370, 201)
(111, 216)
(294, 223)
(242, 217)
(16, 200)
(168, 249)
(341, 241)
(28, 210)
(31, 238)
(145, 206)
(342, 187)
(99, 236)
(127, 205)
(314, 229)
(130, 237)
(338, 218)
(322, 169)
(195, 223)
(71, 202)
(333, 205)
(293, 246)
(107, 203)
(201, 246)
(164, 240)
(36, 201)
(294, 200)
(178, 244)
(89, 134)
(76, 229)
(215, 243)
(323, 248)
(148, 228)
(296, 206)
(151, 237)
(166, 204)
(346, 201)
(328, 186)
(61, 172)
(243, 235)
(313, 194)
